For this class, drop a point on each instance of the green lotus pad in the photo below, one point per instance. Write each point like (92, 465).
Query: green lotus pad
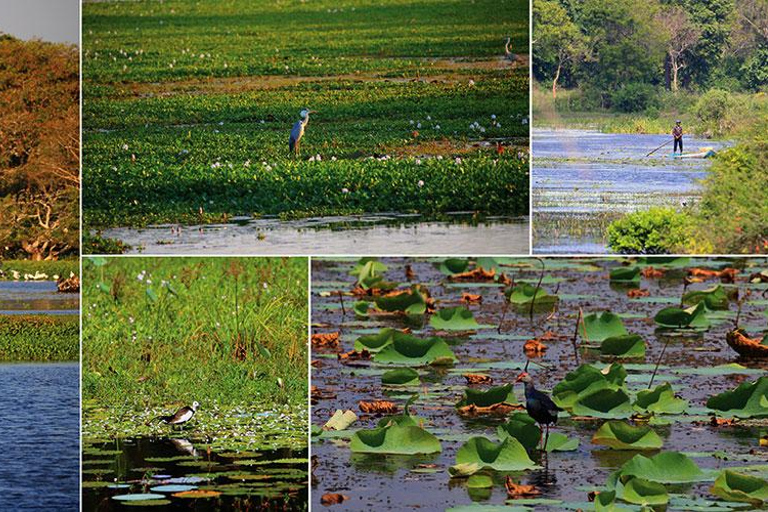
(694, 317)
(641, 491)
(603, 326)
(401, 377)
(413, 351)
(749, 400)
(453, 266)
(620, 435)
(509, 455)
(454, 319)
(665, 468)
(660, 400)
(733, 486)
(603, 403)
(625, 274)
(585, 380)
(627, 345)
(411, 302)
(479, 481)
(375, 342)
(559, 442)
(492, 396)
(713, 298)
(395, 440)
(523, 294)
(523, 428)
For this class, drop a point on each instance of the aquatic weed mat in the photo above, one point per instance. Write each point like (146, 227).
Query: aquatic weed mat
(697, 363)
(190, 124)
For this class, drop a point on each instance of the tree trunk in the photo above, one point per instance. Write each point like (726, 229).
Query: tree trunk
(554, 81)
(675, 68)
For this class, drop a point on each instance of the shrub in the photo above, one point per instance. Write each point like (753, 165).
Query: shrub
(714, 110)
(654, 231)
(634, 97)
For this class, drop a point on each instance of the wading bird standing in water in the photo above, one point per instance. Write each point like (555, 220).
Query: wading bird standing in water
(539, 406)
(181, 416)
(298, 131)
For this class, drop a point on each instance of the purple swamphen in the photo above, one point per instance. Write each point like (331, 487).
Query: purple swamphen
(539, 406)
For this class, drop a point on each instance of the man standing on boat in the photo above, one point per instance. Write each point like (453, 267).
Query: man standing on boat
(677, 133)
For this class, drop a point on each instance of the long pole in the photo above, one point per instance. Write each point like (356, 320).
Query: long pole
(658, 148)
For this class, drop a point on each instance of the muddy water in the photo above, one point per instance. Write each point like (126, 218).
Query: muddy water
(36, 297)
(264, 480)
(369, 234)
(39, 412)
(398, 483)
(580, 175)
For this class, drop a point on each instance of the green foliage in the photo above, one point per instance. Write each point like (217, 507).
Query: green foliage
(653, 231)
(168, 330)
(634, 97)
(714, 111)
(62, 268)
(39, 338)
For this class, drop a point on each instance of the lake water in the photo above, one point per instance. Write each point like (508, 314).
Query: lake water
(358, 234)
(583, 179)
(36, 297)
(40, 445)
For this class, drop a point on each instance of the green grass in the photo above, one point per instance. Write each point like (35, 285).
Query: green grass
(172, 132)
(39, 338)
(52, 268)
(174, 336)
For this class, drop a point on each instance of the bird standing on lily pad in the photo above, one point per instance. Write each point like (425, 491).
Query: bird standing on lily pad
(539, 406)
(181, 416)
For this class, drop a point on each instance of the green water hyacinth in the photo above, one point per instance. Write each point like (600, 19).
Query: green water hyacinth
(395, 439)
(660, 400)
(620, 435)
(603, 326)
(748, 400)
(509, 455)
(454, 319)
(413, 351)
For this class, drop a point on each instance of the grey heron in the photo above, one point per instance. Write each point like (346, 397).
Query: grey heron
(298, 131)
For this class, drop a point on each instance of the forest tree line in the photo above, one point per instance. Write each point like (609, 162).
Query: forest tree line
(620, 53)
(39, 149)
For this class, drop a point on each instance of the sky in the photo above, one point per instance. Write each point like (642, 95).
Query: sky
(56, 21)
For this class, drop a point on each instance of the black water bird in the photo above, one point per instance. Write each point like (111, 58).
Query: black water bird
(181, 416)
(539, 406)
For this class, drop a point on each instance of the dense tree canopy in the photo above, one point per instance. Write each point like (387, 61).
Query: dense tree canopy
(608, 48)
(39, 149)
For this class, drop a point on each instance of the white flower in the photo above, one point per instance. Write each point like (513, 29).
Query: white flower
(412, 121)
(420, 183)
(125, 147)
(265, 285)
(525, 120)
(439, 157)
(493, 116)
(418, 125)
(471, 82)
(429, 118)
(318, 158)
(333, 159)
(311, 159)
(437, 127)
(247, 163)
(458, 161)
(418, 161)
(345, 191)
(482, 130)
(498, 125)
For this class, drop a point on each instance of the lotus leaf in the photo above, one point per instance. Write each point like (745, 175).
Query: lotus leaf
(453, 266)
(694, 317)
(628, 345)
(603, 326)
(395, 440)
(523, 428)
(401, 377)
(641, 491)
(559, 442)
(480, 481)
(585, 380)
(454, 319)
(714, 298)
(603, 403)
(410, 302)
(734, 486)
(415, 351)
(625, 274)
(375, 342)
(660, 400)
(749, 400)
(361, 308)
(665, 467)
(509, 455)
(524, 293)
(492, 396)
(623, 436)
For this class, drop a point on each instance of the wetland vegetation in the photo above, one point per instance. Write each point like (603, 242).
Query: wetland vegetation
(414, 406)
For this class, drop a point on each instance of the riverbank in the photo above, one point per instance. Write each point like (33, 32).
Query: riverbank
(15, 270)
(39, 338)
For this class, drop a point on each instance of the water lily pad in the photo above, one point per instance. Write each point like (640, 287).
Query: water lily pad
(480, 481)
(523, 428)
(395, 439)
(603, 403)
(603, 326)
(628, 345)
(749, 400)
(146, 503)
(734, 486)
(454, 319)
(665, 467)
(585, 380)
(623, 436)
(138, 497)
(173, 488)
(375, 342)
(559, 442)
(523, 294)
(415, 351)
(410, 302)
(641, 491)
(509, 455)
(401, 377)
(660, 400)
(452, 266)
(694, 317)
